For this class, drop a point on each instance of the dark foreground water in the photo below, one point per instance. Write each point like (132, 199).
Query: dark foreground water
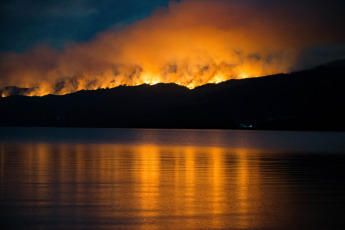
(171, 179)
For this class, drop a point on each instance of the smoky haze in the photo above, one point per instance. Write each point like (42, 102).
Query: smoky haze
(192, 42)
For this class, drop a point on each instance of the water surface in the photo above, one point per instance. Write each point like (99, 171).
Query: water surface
(53, 178)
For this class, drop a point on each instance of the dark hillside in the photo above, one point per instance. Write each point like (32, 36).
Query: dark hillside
(306, 100)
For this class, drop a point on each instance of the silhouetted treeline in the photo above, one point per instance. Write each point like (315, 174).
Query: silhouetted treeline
(307, 100)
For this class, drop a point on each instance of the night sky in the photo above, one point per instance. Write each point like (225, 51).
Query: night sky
(297, 33)
(25, 23)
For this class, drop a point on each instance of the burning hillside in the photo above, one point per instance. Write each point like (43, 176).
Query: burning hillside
(190, 43)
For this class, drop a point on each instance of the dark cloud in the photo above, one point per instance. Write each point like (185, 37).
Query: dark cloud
(24, 23)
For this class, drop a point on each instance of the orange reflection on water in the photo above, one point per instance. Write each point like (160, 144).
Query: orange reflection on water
(189, 178)
(155, 187)
(242, 171)
(146, 171)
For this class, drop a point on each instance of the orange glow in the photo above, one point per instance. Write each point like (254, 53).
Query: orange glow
(148, 179)
(243, 189)
(190, 43)
(165, 187)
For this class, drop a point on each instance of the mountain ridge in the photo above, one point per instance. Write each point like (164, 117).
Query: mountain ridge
(305, 100)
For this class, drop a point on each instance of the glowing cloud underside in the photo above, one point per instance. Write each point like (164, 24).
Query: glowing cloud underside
(190, 43)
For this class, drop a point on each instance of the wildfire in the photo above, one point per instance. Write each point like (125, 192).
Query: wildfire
(149, 79)
(243, 75)
(190, 43)
(200, 77)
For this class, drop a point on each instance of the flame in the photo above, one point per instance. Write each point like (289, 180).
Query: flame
(218, 79)
(150, 79)
(243, 75)
(189, 43)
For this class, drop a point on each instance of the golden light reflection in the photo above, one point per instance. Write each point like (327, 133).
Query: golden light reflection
(147, 172)
(190, 172)
(39, 160)
(185, 182)
(243, 184)
(160, 187)
(218, 176)
(41, 156)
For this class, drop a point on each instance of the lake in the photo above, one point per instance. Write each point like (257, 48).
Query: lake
(76, 178)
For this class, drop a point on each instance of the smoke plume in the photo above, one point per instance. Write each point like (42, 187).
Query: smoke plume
(189, 43)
